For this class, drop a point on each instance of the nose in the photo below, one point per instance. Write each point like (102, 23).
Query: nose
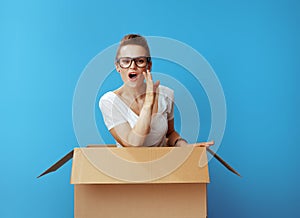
(132, 65)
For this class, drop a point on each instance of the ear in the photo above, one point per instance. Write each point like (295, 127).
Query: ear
(118, 69)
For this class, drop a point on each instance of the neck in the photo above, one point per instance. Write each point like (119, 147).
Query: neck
(134, 92)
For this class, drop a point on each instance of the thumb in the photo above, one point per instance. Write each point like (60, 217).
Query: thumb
(156, 84)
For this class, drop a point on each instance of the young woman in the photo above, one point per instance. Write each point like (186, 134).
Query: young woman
(140, 112)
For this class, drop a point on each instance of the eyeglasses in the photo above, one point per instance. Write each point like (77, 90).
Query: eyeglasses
(125, 62)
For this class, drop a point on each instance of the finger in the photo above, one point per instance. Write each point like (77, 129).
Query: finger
(205, 144)
(211, 142)
(146, 76)
(149, 74)
(208, 144)
(156, 84)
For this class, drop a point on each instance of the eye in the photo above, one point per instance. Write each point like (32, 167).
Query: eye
(141, 61)
(124, 61)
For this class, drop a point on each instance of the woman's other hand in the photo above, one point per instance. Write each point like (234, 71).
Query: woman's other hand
(204, 144)
(200, 144)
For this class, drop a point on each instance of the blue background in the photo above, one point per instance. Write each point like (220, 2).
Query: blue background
(253, 47)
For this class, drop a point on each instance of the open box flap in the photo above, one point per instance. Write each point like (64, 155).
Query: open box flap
(58, 164)
(69, 156)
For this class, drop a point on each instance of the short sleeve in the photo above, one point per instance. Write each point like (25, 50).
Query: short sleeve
(171, 105)
(168, 98)
(112, 115)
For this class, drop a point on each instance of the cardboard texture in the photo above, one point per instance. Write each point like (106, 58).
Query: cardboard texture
(141, 201)
(89, 163)
(159, 182)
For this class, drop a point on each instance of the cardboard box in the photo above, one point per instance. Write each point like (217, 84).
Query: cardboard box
(157, 182)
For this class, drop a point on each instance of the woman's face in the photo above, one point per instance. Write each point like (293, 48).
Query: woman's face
(132, 75)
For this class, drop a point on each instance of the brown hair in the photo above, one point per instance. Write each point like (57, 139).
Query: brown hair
(133, 39)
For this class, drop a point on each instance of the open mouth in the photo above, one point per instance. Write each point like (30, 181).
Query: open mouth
(132, 75)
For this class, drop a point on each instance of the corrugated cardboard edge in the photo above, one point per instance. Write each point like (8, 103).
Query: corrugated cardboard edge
(69, 156)
(84, 171)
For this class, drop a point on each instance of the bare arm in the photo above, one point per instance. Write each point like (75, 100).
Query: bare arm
(135, 136)
(172, 136)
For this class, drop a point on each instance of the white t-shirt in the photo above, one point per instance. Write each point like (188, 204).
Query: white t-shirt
(116, 112)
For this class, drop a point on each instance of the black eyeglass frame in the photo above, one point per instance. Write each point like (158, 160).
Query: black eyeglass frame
(148, 59)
